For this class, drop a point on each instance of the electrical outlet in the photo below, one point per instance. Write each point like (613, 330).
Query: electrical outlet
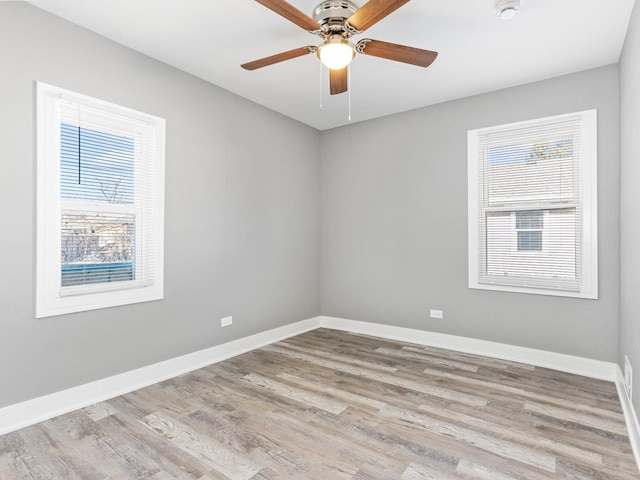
(226, 321)
(435, 313)
(628, 377)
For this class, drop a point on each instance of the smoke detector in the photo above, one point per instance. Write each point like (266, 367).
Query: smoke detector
(507, 9)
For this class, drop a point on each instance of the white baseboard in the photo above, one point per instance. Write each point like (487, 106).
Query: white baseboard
(630, 416)
(557, 361)
(38, 409)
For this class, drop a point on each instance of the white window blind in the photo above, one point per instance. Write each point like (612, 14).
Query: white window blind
(532, 206)
(100, 203)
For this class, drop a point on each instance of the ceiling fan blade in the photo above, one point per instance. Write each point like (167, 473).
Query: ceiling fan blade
(372, 12)
(399, 53)
(279, 57)
(338, 80)
(291, 13)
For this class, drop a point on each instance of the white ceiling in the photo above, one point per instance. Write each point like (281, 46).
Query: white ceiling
(477, 52)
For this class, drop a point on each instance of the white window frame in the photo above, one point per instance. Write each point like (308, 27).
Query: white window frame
(51, 297)
(588, 287)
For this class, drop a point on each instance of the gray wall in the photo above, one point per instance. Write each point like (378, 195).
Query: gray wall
(630, 200)
(242, 208)
(373, 227)
(394, 222)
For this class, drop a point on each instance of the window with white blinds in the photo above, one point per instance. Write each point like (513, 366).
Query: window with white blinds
(100, 204)
(533, 206)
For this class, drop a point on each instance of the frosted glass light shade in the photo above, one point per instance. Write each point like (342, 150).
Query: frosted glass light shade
(336, 54)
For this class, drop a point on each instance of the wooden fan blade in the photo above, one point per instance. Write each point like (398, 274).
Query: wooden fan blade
(372, 12)
(338, 80)
(399, 53)
(279, 57)
(291, 13)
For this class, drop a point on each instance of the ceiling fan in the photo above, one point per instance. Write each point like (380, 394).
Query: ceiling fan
(336, 21)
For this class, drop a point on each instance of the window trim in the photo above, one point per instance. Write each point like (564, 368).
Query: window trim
(588, 204)
(51, 298)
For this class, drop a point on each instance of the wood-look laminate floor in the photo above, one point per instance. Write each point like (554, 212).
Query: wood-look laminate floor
(333, 405)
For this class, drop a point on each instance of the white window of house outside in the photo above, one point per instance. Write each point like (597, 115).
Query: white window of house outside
(100, 200)
(533, 206)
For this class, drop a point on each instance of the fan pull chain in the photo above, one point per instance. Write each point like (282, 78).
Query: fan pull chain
(349, 91)
(321, 85)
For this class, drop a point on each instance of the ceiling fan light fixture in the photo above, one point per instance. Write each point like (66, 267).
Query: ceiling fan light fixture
(507, 9)
(336, 53)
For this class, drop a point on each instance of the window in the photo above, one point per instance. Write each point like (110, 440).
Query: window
(533, 206)
(100, 204)
(529, 225)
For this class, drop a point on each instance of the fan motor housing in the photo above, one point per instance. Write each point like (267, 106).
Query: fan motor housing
(332, 14)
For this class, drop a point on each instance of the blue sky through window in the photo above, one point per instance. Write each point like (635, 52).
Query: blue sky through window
(530, 152)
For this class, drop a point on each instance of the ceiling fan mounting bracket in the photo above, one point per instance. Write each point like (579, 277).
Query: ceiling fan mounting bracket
(351, 30)
(332, 16)
(362, 44)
